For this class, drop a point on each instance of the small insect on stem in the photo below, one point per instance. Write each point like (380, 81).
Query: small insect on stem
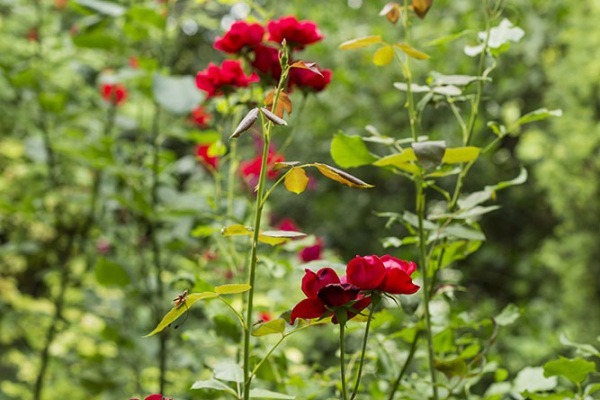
(179, 301)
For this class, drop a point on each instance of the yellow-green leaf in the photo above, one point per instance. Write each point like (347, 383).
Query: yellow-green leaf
(270, 328)
(236, 230)
(178, 311)
(411, 51)
(360, 42)
(459, 155)
(296, 180)
(341, 176)
(233, 288)
(383, 56)
(278, 237)
(397, 159)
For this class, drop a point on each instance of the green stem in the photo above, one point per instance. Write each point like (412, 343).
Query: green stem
(427, 290)
(411, 353)
(343, 363)
(257, 367)
(363, 351)
(412, 114)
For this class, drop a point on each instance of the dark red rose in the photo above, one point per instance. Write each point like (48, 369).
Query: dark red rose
(114, 93)
(397, 276)
(307, 80)
(266, 62)
(203, 156)
(200, 117)
(311, 253)
(386, 274)
(241, 34)
(366, 273)
(250, 169)
(288, 224)
(215, 80)
(297, 34)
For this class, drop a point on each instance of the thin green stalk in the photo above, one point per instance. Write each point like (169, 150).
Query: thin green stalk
(412, 114)
(266, 357)
(411, 353)
(427, 290)
(363, 351)
(343, 363)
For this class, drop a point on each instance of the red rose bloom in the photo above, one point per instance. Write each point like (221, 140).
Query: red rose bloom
(200, 117)
(288, 224)
(297, 34)
(386, 274)
(215, 80)
(205, 158)
(326, 294)
(114, 93)
(311, 253)
(250, 170)
(266, 61)
(241, 34)
(307, 80)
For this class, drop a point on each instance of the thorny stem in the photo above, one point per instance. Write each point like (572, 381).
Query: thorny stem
(343, 363)
(363, 351)
(411, 353)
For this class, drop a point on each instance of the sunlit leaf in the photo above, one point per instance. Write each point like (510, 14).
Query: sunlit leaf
(411, 51)
(414, 88)
(429, 154)
(213, 384)
(232, 288)
(350, 151)
(455, 80)
(178, 311)
(396, 160)
(228, 371)
(104, 7)
(267, 394)
(296, 180)
(532, 379)
(383, 56)
(361, 42)
(420, 7)
(583, 349)
(447, 90)
(341, 176)
(236, 230)
(459, 155)
(453, 367)
(539, 115)
(278, 237)
(576, 370)
(270, 328)
(508, 315)
(245, 123)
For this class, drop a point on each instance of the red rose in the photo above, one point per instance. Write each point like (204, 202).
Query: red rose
(200, 117)
(307, 80)
(397, 276)
(250, 170)
(367, 273)
(215, 80)
(311, 253)
(297, 34)
(241, 34)
(114, 93)
(266, 61)
(205, 158)
(288, 224)
(386, 274)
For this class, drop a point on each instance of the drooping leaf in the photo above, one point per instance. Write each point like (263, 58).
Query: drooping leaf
(539, 115)
(414, 88)
(447, 90)
(411, 51)
(350, 151)
(228, 371)
(459, 155)
(179, 310)
(267, 394)
(307, 65)
(284, 103)
(429, 154)
(296, 180)
(420, 7)
(459, 232)
(236, 230)
(383, 56)
(233, 288)
(270, 328)
(212, 384)
(576, 370)
(398, 159)
(110, 273)
(245, 123)
(176, 94)
(341, 176)
(272, 117)
(583, 349)
(360, 42)
(508, 315)
(452, 367)
(278, 237)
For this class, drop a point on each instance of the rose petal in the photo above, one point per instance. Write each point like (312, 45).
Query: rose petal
(313, 282)
(308, 309)
(398, 282)
(337, 295)
(392, 262)
(366, 273)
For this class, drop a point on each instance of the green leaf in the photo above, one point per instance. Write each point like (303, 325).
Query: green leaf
(350, 151)
(508, 315)
(459, 155)
(96, 39)
(270, 328)
(411, 51)
(383, 56)
(360, 42)
(236, 230)
(267, 394)
(429, 154)
(178, 311)
(414, 88)
(457, 231)
(296, 180)
(404, 160)
(519, 180)
(109, 273)
(341, 176)
(229, 371)
(176, 94)
(538, 115)
(213, 384)
(233, 288)
(103, 7)
(455, 80)
(576, 370)
(203, 231)
(583, 349)
(532, 379)
(278, 237)
(453, 367)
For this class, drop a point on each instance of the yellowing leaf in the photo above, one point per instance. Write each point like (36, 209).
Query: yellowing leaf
(420, 7)
(179, 310)
(391, 12)
(341, 176)
(459, 155)
(296, 180)
(278, 237)
(270, 328)
(411, 51)
(395, 160)
(236, 230)
(283, 103)
(233, 288)
(360, 42)
(383, 56)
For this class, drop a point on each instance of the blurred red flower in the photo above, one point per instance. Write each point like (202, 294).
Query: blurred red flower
(114, 93)
(288, 224)
(328, 296)
(154, 397)
(386, 274)
(307, 80)
(200, 117)
(311, 253)
(250, 169)
(297, 34)
(266, 61)
(241, 34)
(265, 316)
(215, 80)
(203, 156)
